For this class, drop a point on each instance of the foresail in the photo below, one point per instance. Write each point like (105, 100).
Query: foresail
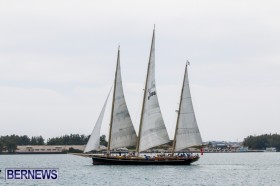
(153, 131)
(188, 134)
(94, 140)
(123, 133)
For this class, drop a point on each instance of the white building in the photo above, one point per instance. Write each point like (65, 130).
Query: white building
(47, 148)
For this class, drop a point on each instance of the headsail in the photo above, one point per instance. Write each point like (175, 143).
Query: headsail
(187, 133)
(94, 140)
(152, 130)
(122, 133)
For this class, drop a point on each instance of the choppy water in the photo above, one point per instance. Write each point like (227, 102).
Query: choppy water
(211, 169)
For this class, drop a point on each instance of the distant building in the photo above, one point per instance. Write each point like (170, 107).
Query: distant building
(222, 146)
(243, 149)
(47, 148)
(270, 149)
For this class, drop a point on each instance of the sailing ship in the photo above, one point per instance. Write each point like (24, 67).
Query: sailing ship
(152, 130)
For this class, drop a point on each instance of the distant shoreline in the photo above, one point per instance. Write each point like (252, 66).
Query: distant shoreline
(20, 153)
(38, 153)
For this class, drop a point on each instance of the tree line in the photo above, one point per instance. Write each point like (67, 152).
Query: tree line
(72, 139)
(10, 142)
(261, 142)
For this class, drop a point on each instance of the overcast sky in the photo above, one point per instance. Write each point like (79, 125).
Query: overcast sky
(57, 63)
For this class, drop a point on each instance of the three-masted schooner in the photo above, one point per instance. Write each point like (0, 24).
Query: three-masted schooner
(152, 130)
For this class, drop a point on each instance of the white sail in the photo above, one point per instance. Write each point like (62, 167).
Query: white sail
(122, 133)
(152, 128)
(94, 140)
(187, 133)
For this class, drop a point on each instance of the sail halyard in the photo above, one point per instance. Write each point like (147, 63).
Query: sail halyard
(152, 130)
(187, 132)
(94, 140)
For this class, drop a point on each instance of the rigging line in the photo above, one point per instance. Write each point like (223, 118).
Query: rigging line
(174, 120)
(139, 105)
(175, 117)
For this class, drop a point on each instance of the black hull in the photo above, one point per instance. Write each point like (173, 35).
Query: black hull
(130, 161)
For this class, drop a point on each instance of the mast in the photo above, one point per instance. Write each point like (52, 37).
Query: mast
(145, 92)
(177, 122)
(113, 105)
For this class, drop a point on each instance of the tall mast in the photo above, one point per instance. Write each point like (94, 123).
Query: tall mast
(176, 129)
(143, 103)
(113, 105)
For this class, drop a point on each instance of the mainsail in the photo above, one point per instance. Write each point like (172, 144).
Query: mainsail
(122, 130)
(187, 133)
(94, 140)
(152, 130)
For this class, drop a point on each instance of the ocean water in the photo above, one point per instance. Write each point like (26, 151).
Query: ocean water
(212, 169)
